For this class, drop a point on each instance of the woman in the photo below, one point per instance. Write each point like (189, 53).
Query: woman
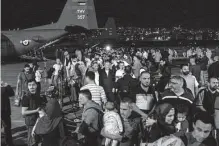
(165, 114)
(50, 126)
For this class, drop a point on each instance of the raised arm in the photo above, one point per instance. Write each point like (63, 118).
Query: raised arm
(25, 111)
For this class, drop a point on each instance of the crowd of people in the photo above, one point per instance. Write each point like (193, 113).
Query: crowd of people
(129, 97)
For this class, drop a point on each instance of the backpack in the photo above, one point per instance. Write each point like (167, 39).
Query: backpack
(100, 117)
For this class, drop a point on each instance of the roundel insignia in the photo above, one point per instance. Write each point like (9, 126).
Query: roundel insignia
(25, 42)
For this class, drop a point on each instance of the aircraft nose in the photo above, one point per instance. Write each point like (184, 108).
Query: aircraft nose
(7, 47)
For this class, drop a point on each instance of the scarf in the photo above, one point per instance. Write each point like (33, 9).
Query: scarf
(161, 111)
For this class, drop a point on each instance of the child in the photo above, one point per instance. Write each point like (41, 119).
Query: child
(182, 124)
(112, 123)
(58, 67)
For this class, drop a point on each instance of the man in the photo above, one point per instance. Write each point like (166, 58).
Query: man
(98, 93)
(67, 59)
(131, 122)
(123, 85)
(22, 88)
(206, 97)
(213, 70)
(6, 92)
(58, 53)
(144, 94)
(216, 116)
(191, 81)
(107, 78)
(95, 69)
(90, 122)
(78, 53)
(97, 58)
(136, 66)
(194, 68)
(200, 136)
(177, 95)
(31, 104)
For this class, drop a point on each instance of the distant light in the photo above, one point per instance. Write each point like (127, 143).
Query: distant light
(108, 48)
(81, 3)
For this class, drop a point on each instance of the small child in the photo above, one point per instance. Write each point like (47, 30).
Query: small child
(182, 124)
(58, 67)
(112, 123)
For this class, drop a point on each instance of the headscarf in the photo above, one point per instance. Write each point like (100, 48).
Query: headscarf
(161, 111)
(168, 141)
(50, 121)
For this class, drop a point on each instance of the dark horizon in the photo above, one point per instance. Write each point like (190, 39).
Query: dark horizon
(142, 13)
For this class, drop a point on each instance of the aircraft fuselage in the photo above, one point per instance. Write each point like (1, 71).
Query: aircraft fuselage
(16, 43)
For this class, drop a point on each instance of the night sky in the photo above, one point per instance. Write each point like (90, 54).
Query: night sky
(140, 13)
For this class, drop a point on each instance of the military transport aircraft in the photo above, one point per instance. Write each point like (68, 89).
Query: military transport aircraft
(77, 14)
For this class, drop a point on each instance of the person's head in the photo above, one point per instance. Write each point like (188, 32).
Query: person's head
(78, 53)
(95, 66)
(32, 86)
(40, 69)
(163, 62)
(97, 56)
(121, 65)
(27, 68)
(185, 69)
(176, 83)
(110, 106)
(145, 79)
(107, 65)
(202, 124)
(58, 61)
(126, 108)
(165, 113)
(104, 56)
(74, 58)
(213, 83)
(128, 69)
(216, 58)
(89, 77)
(66, 54)
(113, 54)
(192, 60)
(182, 112)
(84, 97)
(169, 140)
(136, 59)
(31, 64)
